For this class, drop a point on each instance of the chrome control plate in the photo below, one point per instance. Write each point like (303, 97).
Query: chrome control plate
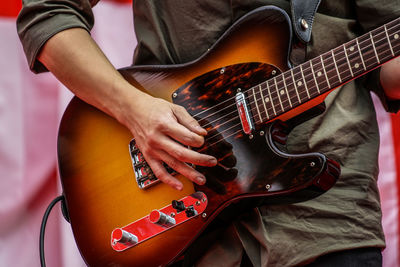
(149, 226)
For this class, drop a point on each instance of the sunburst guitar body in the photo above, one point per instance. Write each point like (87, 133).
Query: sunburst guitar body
(240, 91)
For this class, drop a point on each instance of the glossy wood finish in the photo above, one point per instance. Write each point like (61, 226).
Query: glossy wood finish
(95, 167)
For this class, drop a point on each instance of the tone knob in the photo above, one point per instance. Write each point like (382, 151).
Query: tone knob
(162, 219)
(124, 237)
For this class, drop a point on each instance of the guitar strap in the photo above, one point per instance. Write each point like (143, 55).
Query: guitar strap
(303, 12)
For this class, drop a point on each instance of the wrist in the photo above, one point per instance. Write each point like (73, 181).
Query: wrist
(126, 102)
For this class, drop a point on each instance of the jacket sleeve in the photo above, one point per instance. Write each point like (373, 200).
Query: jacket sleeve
(371, 14)
(39, 20)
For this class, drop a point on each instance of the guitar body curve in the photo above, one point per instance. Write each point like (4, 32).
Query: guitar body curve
(96, 170)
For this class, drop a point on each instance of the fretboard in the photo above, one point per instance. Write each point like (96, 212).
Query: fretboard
(319, 75)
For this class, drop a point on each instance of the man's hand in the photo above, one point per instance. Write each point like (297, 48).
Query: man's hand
(161, 129)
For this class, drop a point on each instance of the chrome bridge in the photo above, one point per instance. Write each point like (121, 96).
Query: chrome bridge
(144, 175)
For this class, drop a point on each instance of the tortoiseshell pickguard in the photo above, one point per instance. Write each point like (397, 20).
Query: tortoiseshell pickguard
(247, 166)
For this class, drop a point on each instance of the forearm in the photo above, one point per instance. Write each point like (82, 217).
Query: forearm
(76, 60)
(390, 79)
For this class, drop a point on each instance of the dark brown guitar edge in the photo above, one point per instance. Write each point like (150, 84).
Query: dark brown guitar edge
(269, 13)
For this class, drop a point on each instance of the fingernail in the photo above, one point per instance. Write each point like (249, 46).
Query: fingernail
(178, 187)
(200, 129)
(213, 161)
(201, 180)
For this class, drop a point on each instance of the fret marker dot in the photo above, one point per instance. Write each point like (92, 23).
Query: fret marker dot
(299, 83)
(282, 92)
(356, 65)
(396, 36)
(319, 73)
(266, 100)
(352, 48)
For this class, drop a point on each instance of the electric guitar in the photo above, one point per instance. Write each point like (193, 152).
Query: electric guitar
(240, 91)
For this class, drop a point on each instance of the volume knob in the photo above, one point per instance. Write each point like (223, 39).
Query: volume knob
(162, 219)
(124, 237)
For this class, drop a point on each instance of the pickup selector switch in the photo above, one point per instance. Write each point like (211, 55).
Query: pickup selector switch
(190, 211)
(162, 219)
(178, 205)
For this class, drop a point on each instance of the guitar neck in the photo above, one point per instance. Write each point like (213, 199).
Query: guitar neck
(319, 75)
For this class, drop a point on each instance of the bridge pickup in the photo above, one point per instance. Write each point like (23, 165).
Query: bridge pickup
(244, 114)
(143, 173)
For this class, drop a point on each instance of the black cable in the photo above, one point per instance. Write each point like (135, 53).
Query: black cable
(43, 227)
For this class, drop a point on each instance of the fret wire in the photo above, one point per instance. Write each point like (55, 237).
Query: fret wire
(315, 79)
(304, 80)
(388, 39)
(256, 104)
(262, 99)
(381, 44)
(276, 89)
(290, 88)
(394, 37)
(323, 67)
(310, 75)
(299, 83)
(391, 26)
(270, 98)
(252, 104)
(334, 61)
(368, 51)
(373, 64)
(295, 87)
(354, 58)
(348, 62)
(373, 45)
(347, 77)
(330, 88)
(287, 93)
(361, 56)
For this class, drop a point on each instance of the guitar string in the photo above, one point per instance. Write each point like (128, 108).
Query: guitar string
(325, 89)
(328, 68)
(223, 132)
(238, 124)
(237, 132)
(339, 53)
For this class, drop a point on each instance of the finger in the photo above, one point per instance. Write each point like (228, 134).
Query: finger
(183, 135)
(161, 173)
(228, 160)
(184, 154)
(183, 169)
(188, 121)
